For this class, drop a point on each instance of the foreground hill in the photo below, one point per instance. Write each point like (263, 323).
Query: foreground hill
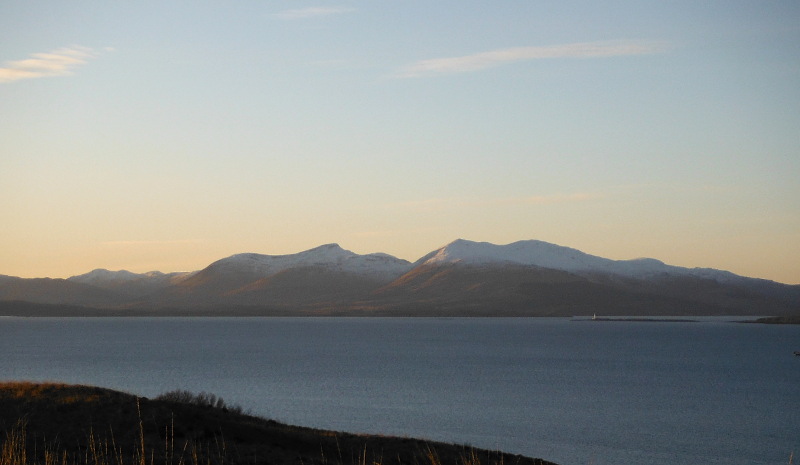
(463, 278)
(81, 425)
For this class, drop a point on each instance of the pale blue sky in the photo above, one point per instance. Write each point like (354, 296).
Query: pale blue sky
(147, 135)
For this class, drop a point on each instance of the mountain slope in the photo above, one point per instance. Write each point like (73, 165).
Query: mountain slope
(124, 282)
(518, 290)
(526, 278)
(539, 278)
(546, 255)
(55, 291)
(330, 256)
(325, 274)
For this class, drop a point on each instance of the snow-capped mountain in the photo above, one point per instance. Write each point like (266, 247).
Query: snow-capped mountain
(110, 279)
(525, 278)
(329, 256)
(325, 274)
(556, 257)
(569, 278)
(102, 276)
(531, 253)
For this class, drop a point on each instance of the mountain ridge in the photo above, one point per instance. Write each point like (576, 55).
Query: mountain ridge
(523, 278)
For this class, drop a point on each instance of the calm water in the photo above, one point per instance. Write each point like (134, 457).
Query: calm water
(573, 392)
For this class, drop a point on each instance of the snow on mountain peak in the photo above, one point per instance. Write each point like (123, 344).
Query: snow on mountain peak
(330, 256)
(104, 275)
(530, 252)
(383, 266)
(546, 255)
(111, 279)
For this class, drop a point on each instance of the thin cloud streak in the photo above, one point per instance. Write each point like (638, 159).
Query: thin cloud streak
(551, 199)
(58, 62)
(483, 60)
(438, 204)
(149, 243)
(393, 232)
(311, 12)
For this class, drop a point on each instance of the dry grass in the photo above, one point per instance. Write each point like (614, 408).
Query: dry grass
(84, 425)
(26, 389)
(15, 446)
(32, 391)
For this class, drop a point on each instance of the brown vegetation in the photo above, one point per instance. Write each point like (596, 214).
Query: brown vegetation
(57, 424)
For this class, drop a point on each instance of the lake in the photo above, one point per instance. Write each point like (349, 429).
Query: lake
(574, 392)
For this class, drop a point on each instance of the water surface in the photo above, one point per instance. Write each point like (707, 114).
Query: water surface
(575, 392)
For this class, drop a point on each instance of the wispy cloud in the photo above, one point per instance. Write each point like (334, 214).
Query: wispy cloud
(136, 243)
(434, 204)
(393, 232)
(483, 60)
(60, 62)
(311, 12)
(437, 204)
(551, 199)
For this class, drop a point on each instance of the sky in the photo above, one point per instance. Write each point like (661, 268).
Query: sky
(166, 135)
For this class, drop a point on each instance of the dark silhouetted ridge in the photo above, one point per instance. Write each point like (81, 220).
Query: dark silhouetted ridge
(85, 425)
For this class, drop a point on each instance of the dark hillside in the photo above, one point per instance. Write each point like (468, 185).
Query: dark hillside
(65, 424)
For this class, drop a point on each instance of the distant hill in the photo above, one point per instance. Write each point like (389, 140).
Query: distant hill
(83, 425)
(525, 278)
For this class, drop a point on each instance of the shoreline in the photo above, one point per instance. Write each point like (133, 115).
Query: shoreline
(21, 309)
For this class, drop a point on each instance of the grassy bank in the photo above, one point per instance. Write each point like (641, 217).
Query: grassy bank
(57, 424)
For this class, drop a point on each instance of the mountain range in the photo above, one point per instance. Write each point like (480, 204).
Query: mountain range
(463, 278)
